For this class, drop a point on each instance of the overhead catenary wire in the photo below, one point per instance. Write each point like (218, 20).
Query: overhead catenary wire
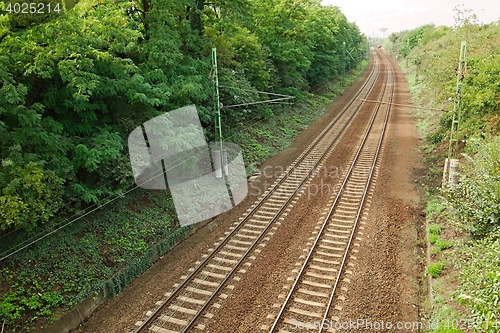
(405, 105)
(97, 207)
(273, 101)
(266, 118)
(253, 103)
(257, 91)
(67, 204)
(109, 199)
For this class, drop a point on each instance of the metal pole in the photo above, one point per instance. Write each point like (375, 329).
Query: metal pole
(217, 118)
(452, 165)
(343, 62)
(462, 68)
(407, 54)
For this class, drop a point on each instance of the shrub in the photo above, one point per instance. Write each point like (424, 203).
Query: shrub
(480, 281)
(475, 202)
(435, 229)
(435, 269)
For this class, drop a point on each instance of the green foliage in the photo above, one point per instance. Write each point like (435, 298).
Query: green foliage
(482, 95)
(435, 269)
(64, 269)
(435, 62)
(435, 229)
(28, 294)
(414, 38)
(475, 202)
(433, 209)
(447, 330)
(75, 84)
(433, 238)
(440, 245)
(480, 281)
(249, 54)
(25, 189)
(434, 34)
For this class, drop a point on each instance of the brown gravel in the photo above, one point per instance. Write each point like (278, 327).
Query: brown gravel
(389, 286)
(387, 271)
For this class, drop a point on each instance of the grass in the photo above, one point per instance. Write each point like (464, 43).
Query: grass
(440, 245)
(434, 269)
(443, 312)
(435, 229)
(433, 238)
(434, 207)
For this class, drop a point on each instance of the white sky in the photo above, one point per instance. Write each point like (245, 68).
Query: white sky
(398, 15)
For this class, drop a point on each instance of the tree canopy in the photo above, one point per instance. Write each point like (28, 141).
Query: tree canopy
(74, 84)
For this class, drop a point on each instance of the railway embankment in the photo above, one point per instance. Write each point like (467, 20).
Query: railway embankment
(453, 76)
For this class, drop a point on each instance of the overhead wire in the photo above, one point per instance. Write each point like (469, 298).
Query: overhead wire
(77, 216)
(109, 199)
(283, 97)
(61, 225)
(68, 203)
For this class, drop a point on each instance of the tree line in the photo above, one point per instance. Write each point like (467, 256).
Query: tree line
(74, 84)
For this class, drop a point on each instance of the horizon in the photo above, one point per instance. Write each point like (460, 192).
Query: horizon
(400, 15)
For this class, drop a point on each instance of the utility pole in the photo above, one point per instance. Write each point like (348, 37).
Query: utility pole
(343, 63)
(418, 60)
(461, 71)
(218, 151)
(451, 163)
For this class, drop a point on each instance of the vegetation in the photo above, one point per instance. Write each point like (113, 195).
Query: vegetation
(474, 203)
(75, 83)
(435, 269)
(63, 270)
(471, 209)
(108, 248)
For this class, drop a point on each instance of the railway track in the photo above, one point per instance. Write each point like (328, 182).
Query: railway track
(182, 308)
(311, 298)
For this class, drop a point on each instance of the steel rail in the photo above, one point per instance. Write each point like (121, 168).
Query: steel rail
(275, 217)
(368, 183)
(177, 291)
(320, 232)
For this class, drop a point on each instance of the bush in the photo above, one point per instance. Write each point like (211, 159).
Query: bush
(440, 245)
(475, 202)
(480, 281)
(435, 269)
(435, 229)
